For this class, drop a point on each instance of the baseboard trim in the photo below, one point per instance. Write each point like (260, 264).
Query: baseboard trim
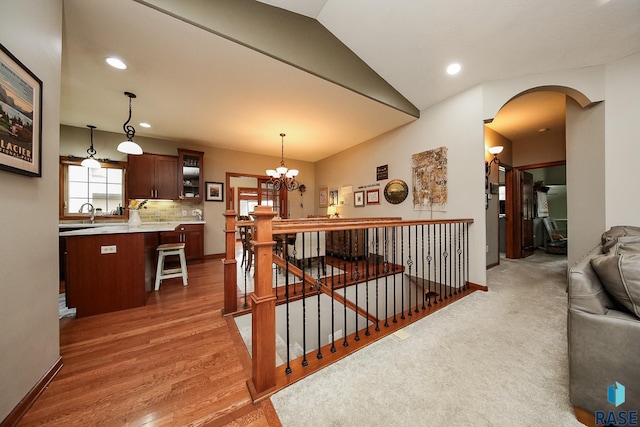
(213, 256)
(18, 412)
(477, 287)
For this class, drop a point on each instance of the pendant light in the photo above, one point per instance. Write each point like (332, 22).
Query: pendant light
(128, 146)
(283, 177)
(90, 162)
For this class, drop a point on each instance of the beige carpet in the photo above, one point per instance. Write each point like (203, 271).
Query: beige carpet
(496, 358)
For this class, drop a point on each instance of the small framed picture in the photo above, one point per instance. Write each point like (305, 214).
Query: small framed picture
(214, 191)
(358, 199)
(324, 198)
(373, 197)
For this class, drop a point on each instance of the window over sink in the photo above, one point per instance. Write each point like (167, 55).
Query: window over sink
(103, 189)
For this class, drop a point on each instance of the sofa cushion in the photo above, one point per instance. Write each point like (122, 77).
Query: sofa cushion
(615, 232)
(620, 276)
(624, 245)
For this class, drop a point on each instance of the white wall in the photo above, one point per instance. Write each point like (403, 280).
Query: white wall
(455, 123)
(29, 331)
(622, 135)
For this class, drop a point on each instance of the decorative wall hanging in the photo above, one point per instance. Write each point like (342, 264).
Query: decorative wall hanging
(358, 199)
(214, 191)
(323, 201)
(396, 191)
(20, 117)
(430, 180)
(373, 197)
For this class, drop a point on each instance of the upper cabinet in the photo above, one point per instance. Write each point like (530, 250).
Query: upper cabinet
(153, 176)
(190, 175)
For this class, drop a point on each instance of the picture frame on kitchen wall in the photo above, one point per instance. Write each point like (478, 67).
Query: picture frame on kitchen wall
(20, 117)
(358, 199)
(214, 191)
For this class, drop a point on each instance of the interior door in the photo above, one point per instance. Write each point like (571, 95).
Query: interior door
(526, 208)
(276, 199)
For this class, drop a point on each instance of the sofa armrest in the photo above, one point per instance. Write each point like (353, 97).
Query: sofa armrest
(603, 349)
(586, 292)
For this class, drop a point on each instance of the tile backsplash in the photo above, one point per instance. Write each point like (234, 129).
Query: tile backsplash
(167, 210)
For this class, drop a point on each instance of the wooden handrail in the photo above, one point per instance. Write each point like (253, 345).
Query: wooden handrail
(291, 226)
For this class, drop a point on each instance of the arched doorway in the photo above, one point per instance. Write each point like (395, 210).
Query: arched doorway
(543, 126)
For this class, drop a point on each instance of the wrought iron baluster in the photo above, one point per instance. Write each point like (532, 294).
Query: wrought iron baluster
(424, 293)
(385, 269)
(450, 253)
(356, 277)
(429, 259)
(416, 309)
(393, 254)
(440, 251)
(377, 252)
(410, 265)
(333, 318)
(366, 277)
(286, 298)
(304, 307)
(345, 253)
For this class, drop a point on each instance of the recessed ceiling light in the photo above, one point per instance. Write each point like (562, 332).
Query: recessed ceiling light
(145, 125)
(116, 63)
(453, 69)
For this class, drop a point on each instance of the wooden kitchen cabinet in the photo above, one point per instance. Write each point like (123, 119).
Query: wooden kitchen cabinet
(190, 173)
(152, 176)
(192, 235)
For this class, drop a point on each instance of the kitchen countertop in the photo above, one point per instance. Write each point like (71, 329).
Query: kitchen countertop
(120, 228)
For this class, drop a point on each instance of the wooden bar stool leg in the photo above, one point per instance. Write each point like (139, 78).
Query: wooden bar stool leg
(159, 269)
(183, 267)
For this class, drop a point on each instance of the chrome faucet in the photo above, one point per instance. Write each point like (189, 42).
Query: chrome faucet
(91, 211)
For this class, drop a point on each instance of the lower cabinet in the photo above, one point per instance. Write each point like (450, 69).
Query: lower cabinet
(192, 235)
(348, 244)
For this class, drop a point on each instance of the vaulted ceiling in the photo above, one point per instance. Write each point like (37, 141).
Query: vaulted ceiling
(193, 84)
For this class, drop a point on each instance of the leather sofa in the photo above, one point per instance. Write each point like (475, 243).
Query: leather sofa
(604, 326)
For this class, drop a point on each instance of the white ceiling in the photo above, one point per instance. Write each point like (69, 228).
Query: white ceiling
(194, 86)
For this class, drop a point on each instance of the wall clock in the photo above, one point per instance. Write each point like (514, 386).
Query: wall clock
(396, 191)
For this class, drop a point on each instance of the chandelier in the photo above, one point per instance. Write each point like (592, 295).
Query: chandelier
(282, 177)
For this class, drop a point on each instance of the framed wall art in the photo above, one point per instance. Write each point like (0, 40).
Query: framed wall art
(214, 192)
(373, 197)
(20, 117)
(324, 198)
(358, 199)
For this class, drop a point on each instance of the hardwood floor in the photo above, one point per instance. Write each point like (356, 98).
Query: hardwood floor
(175, 361)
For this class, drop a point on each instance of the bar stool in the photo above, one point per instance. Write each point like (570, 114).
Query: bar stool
(169, 249)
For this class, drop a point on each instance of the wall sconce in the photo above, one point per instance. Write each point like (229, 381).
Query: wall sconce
(495, 151)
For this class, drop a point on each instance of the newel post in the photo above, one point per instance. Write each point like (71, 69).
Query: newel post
(263, 304)
(230, 271)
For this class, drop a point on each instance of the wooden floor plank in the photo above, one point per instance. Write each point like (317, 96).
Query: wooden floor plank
(175, 361)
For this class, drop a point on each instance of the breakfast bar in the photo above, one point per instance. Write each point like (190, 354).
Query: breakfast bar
(110, 267)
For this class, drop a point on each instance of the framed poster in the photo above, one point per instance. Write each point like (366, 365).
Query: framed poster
(20, 117)
(324, 197)
(358, 199)
(373, 197)
(214, 192)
